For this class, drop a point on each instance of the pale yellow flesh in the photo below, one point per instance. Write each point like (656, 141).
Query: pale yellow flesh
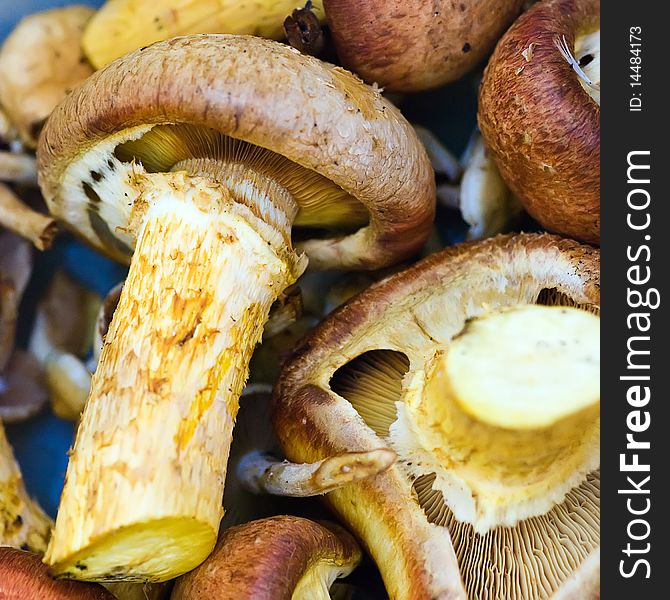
(142, 498)
(526, 368)
(317, 579)
(23, 524)
(507, 416)
(124, 25)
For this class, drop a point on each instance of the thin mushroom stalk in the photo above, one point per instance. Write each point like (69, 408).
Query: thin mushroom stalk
(262, 473)
(17, 167)
(24, 221)
(204, 274)
(23, 524)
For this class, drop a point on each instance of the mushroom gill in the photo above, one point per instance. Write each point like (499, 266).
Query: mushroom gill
(372, 383)
(505, 562)
(200, 150)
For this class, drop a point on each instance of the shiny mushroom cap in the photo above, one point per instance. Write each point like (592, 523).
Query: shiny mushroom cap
(539, 114)
(22, 576)
(360, 177)
(278, 558)
(414, 45)
(367, 375)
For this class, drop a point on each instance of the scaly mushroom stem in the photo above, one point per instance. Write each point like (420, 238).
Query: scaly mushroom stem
(261, 473)
(17, 217)
(23, 524)
(149, 461)
(510, 411)
(17, 168)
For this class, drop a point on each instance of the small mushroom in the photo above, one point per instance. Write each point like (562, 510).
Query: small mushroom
(271, 559)
(40, 62)
(23, 576)
(23, 524)
(411, 45)
(17, 217)
(254, 469)
(373, 373)
(482, 197)
(214, 149)
(121, 26)
(539, 114)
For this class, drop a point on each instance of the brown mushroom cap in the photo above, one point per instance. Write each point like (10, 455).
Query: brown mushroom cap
(414, 45)
(40, 62)
(23, 576)
(320, 120)
(278, 558)
(397, 323)
(540, 123)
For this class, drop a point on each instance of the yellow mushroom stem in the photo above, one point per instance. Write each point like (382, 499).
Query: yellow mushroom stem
(142, 499)
(17, 168)
(28, 223)
(261, 473)
(509, 413)
(23, 524)
(124, 25)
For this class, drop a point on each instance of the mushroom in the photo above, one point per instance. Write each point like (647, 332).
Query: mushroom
(373, 374)
(28, 223)
(414, 45)
(539, 114)
(22, 575)
(202, 153)
(40, 62)
(23, 523)
(482, 197)
(121, 26)
(254, 471)
(21, 391)
(63, 331)
(271, 559)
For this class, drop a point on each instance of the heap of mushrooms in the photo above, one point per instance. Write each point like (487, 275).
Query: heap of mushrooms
(539, 113)
(214, 150)
(452, 364)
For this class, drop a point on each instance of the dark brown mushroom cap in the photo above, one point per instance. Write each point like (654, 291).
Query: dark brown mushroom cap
(421, 307)
(410, 45)
(23, 576)
(265, 93)
(266, 560)
(540, 124)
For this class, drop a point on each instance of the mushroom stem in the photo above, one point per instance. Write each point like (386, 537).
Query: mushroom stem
(17, 168)
(512, 407)
(28, 223)
(149, 461)
(261, 473)
(23, 524)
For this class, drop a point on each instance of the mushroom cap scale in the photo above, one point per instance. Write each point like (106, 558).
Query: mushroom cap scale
(411, 313)
(540, 123)
(316, 115)
(278, 558)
